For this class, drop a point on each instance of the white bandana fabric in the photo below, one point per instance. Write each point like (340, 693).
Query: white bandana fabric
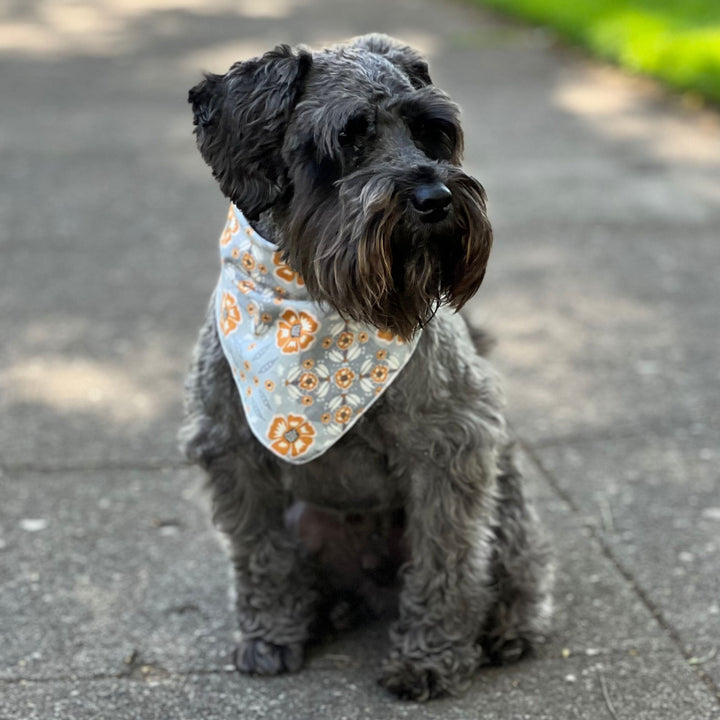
(305, 375)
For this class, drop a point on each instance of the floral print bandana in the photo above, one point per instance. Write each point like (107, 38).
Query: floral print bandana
(305, 375)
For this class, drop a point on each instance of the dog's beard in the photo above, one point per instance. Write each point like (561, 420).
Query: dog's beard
(364, 251)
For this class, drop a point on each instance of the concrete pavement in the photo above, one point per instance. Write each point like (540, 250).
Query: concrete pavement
(602, 290)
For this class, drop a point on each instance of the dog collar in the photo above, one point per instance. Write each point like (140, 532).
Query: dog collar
(305, 374)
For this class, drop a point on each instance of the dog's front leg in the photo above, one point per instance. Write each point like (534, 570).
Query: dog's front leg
(275, 597)
(446, 595)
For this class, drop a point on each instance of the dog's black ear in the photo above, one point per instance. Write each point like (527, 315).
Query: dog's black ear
(240, 121)
(405, 57)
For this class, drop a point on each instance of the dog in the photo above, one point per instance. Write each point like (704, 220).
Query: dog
(353, 238)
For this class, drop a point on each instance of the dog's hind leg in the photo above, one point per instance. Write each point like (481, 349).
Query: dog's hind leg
(275, 594)
(522, 572)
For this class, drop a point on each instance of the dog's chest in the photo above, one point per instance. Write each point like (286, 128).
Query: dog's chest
(352, 476)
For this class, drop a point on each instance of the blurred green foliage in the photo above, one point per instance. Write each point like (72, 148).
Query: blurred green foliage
(677, 41)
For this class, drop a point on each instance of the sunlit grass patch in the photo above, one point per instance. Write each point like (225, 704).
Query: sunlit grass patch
(677, 41)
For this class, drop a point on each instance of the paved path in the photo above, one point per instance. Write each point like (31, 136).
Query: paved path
(603, 291)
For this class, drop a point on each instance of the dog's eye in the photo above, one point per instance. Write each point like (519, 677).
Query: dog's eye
(355, 129)
(436, 137)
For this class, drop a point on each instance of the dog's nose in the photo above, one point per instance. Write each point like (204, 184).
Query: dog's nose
(432, 201)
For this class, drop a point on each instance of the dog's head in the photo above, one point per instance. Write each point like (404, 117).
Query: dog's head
(356, 155)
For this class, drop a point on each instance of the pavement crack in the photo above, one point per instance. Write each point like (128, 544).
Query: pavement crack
(606, 697)
(667, 627)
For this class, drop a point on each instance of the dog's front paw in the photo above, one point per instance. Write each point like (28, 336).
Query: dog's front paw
(430, 676)
(507, 650)
(411, 682)
(260, 657)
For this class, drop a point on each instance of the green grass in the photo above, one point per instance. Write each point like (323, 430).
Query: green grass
(677, 41)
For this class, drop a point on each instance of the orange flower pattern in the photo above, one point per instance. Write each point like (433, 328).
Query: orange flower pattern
(344, 377)
(292, 434)
(305, 374)
(284, 271)
(296, 331)
(231, 228)
(387, 336)
(343, 414)
(230, 316)
(248, 261)
(308, 381)
(245, 286)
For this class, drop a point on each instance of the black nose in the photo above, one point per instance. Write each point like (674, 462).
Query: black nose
(432, 201)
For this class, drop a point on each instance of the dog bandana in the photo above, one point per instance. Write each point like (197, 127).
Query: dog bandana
(305, 375)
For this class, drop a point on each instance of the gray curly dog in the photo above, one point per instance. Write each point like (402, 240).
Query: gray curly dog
(347, 160)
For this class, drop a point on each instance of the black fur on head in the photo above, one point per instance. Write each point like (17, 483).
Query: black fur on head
(342, 142)
(240, 121)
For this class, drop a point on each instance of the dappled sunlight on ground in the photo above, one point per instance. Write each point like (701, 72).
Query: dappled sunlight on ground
(105, 27)
(560, 354)
(111, 28)
(682, 142)
(114, 392)
(620, 107)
